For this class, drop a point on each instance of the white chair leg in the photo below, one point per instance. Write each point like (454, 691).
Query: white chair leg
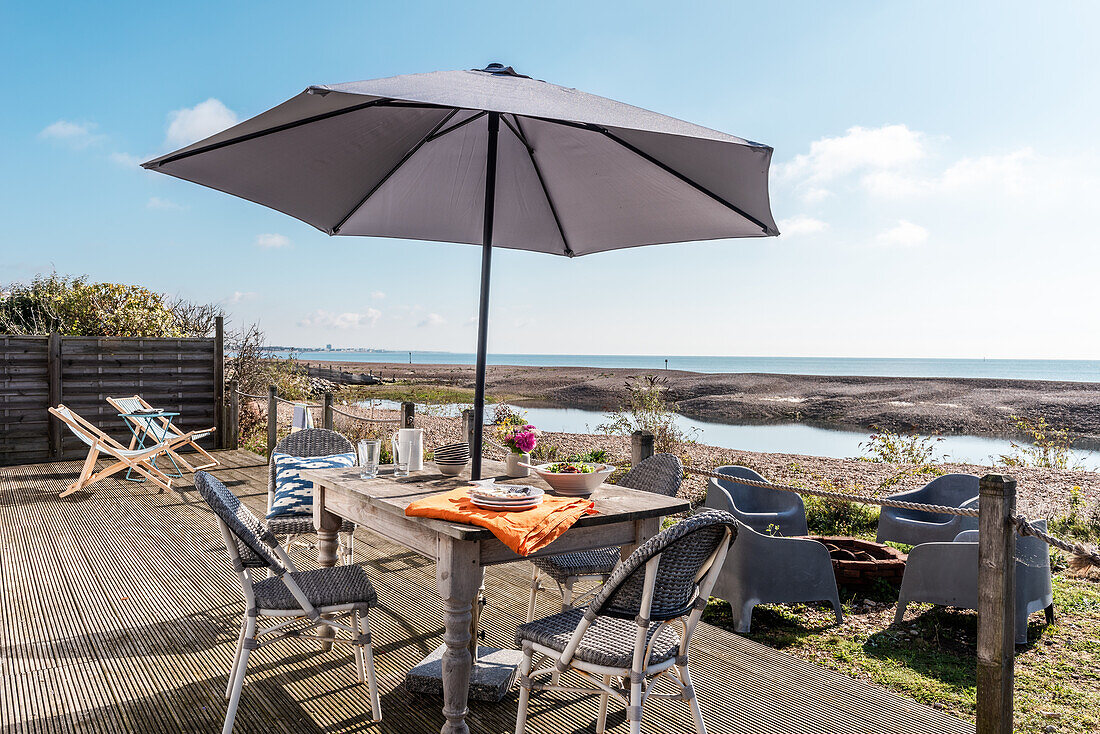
(634, 710)
(360, 664)
(524, 690)
(367, 653)
(238, 674)
(534, 593)
(567, 594)
(601, 719)
(693, 701)
(348, 549)
(236, 660)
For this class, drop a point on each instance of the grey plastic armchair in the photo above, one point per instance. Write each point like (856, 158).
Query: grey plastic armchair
(947, 574)
(915, 527)
(763, 510)
(766, 569)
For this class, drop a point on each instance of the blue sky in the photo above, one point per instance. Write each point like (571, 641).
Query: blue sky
(936, 172)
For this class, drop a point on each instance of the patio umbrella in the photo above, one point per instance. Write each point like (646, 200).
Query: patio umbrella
(487, 157)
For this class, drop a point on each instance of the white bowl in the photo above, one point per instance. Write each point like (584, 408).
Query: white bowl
(574, 484)
(450, 470)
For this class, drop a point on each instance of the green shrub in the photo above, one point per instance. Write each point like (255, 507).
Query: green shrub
(891, 447)
(1050, 446)
(646, 409)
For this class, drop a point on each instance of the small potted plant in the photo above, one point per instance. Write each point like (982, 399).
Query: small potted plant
(521, 440)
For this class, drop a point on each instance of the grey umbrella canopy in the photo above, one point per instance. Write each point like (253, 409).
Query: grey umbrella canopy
(487, 157)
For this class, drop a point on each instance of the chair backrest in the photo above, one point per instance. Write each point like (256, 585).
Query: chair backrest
(87, 432)
(687, 549)
(951, 490)
(252, 535)
(660, 474)
(307, 442)
(1031, 552)
(754, 499)
(132, 404)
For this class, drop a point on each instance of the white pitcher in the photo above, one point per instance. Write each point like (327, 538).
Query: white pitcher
(410, 442)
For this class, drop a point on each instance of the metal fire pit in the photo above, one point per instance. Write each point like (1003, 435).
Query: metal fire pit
(858, 562)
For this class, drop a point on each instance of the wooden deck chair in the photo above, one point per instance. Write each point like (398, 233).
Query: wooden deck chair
(100, 443)
(154, 427)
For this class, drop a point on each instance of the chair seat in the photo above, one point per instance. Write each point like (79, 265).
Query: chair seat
(609, 641)
(300, 525)
(583, 563)
(324, 587)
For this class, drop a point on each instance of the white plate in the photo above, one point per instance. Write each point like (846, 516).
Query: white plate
(505, 492)
(505, 507)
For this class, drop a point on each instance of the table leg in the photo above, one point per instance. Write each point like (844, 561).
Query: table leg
(643, 531)
(328, 542)
(458, 577)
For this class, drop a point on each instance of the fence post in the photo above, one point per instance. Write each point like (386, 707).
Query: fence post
(326, 412)
(233, 440)
(53, 379)
(996, 602)
(272, 420)
(641, 447)
(408, 415)
(468, 427)
(219, 382)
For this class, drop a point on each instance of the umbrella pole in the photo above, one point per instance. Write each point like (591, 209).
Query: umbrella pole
(483, 307)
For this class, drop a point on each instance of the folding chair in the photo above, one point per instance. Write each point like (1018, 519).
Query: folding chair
(139, 460)
(155, 427)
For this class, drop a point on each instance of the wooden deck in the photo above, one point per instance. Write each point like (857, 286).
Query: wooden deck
(120, 614)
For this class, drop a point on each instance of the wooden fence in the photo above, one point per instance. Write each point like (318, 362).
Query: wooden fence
(184, 375)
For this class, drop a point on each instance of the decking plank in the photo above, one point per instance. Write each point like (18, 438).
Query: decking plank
(120, 613)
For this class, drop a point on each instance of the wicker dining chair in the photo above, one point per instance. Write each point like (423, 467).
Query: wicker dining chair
(627, 630)
(324, 597)
(661, 474)
(306, 443)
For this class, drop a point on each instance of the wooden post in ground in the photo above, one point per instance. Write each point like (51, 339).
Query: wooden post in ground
(272, 420)
(53, 380)
(641, 447)
(408, 415)
(468, 427)
(996, 603)
(220, 407)
(233, 440)
(326, 412)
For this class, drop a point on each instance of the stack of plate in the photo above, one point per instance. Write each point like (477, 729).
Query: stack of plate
(505, 497)
(452, 458)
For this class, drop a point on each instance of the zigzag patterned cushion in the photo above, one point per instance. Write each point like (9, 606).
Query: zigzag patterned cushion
(294, 495)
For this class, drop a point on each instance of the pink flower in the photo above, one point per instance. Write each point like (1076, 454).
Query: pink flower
(521, 440)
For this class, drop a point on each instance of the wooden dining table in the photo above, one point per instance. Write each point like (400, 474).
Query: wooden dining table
(624, 517)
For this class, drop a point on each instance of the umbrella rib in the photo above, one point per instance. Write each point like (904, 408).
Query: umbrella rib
(267, 131)
(457, 125)
(664, 167)
(404, 159)
(518, 132)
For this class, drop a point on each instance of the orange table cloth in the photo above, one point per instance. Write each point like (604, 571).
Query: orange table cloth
(524, 531)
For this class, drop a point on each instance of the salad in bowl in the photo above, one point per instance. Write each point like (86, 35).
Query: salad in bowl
(574, 477)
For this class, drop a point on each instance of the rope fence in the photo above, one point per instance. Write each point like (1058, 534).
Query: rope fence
(1082, 553)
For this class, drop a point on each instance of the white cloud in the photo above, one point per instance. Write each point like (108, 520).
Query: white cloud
(815, 195)
(191, 124)
(72, 134)
(155, 202)
(378, 295)
(239, 296)
(432, 319)
(347, 320)
(801, 225)
(272, 241)
(859, 149)
(1011, 173)
(903, 234)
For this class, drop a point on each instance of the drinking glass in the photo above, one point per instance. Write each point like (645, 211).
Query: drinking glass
(370, 450)
(402, 452)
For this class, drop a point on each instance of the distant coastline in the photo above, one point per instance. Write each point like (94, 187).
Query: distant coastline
(1069, 370)
(970, 405)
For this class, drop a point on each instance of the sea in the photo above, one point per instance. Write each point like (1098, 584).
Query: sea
(1072, 370)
